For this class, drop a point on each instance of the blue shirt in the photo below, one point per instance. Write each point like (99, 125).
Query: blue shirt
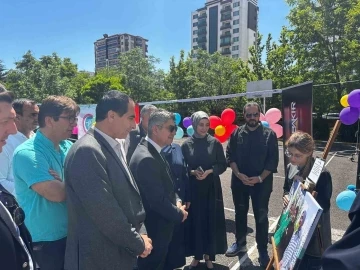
(46, 220)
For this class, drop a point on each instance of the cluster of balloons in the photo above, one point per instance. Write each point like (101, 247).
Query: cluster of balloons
(351, 103)
(223, 126)
(180, 132)
(346, 198)
(270, 119)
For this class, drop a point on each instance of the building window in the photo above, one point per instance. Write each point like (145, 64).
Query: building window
(236, 4)
(195, 24)
(122, 37)
(236, 13)
(235, 48)
(235, 22)
(195, 39)
(235, 39)
(235, 56)
(195, 16)
(236, 30)
(195, 32)
(195, 47)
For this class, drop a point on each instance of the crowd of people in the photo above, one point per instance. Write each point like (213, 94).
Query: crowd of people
(125, 196)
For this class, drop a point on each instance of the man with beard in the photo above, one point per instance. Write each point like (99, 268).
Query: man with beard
(26, 122)
(253, 156)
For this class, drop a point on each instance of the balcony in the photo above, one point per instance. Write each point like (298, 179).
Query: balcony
(226, 9)
(225, 52)
(225, 43)
(202, 40)
(202, 32)
(203, 16)
(225, 26)
(225, 18)
(227, 34)
(202, 23)
(202, 47)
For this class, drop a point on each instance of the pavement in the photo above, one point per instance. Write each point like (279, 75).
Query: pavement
(343, 172)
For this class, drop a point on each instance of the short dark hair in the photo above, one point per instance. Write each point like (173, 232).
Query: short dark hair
(54, 106)
(2, 88)
(7, 97)
(18, 104)
(113, 100)
(250, 104)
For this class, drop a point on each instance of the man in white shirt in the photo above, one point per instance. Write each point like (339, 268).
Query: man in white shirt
(26, 121)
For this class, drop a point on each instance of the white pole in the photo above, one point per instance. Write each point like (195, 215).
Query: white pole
(264, 105)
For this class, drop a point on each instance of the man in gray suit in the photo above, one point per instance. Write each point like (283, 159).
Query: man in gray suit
(152, 173)
(106, 214)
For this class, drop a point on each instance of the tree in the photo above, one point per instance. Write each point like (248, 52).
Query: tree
(3, 71)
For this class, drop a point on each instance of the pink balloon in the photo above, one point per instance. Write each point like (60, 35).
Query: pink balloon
(278, 129)
(262, 117)
(273, 115)
(75, 130)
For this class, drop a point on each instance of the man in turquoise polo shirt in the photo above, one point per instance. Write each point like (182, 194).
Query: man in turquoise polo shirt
(38, 167)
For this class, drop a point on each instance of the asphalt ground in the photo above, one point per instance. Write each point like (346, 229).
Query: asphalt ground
(343, 172)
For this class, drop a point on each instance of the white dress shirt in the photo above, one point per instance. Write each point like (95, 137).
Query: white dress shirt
(6, 157)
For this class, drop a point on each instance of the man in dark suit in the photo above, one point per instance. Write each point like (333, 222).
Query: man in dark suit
(15, 240)
(141, 130)
(106, 214)
(152, 174)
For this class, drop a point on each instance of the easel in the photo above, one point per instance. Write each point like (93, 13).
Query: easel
(274, 261)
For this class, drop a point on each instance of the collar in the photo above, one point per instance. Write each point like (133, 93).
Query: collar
(113, 143)
(46, 141)
(157, 147)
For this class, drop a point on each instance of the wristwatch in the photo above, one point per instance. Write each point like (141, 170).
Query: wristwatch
(260, 179)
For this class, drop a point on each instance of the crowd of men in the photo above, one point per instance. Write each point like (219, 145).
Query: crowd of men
(108, 201)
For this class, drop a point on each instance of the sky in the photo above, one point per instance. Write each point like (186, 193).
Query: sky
(70, 27)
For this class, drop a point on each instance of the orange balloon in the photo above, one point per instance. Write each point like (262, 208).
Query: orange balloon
(220, 130)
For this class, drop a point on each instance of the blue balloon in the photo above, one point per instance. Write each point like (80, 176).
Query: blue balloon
(190, 130)
(351, 187)
(177, 118)
(265, 124)
(179, 133)
(345, 199)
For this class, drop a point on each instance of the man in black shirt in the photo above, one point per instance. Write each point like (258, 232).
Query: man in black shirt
(253, 155)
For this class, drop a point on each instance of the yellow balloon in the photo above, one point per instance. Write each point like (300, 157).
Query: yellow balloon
(220, 130)
(344, 101)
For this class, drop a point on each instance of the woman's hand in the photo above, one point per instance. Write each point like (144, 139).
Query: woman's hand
(196, 173)
(205, 174)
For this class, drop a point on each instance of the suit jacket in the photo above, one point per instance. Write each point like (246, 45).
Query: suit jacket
(104, 207)
(132, 141)
(153, 176)
(12, 252)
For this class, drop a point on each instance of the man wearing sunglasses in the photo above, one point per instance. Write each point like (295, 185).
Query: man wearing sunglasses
(152, 173)
(253, 155)
(26, 122)
(38, 167)
(15, 240)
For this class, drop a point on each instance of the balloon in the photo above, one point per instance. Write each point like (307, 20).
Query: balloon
(345, 199)
(220, 130)
(273, 115)
(214, 121)
(177, 118)
(137, 113)
(262, 117)
(349, 115)
(190, 130)
(265, 124)
(354, 98)
(179, 133)
(187, 122)
(344, 101)
(229, 130)
(228, 116)
(351, 187)
(222, 139)
(278, 129)
(75, 130)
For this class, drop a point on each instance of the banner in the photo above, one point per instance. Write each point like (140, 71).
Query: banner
(86, 118)
(297, 103)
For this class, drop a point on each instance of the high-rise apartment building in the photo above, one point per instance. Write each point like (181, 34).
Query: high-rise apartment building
(108, 48)
(227, 26)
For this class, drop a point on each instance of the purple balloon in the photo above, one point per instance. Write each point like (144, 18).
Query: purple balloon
(354, 98)
(187, 122)
(349, 115)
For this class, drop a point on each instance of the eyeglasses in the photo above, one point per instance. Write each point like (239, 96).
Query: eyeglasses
(249, 115)
(170, 128)
(12, 206)
(71, 119)
(295, 156)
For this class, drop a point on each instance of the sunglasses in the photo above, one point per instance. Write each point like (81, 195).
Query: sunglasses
(249, 115)
(12, 206)
(170, 128)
